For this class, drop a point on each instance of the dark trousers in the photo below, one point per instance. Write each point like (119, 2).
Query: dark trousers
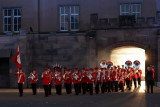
(59, 89)
(20, 87)
(90, 86)
(109, 86)
(34, 88)
(76, 88)
(128, 83)
(46, 90)
(116, 86)
(112, 83)
(68, 88)
(49, 89)
(80, 86)
(150, 83)
(139, 81)
(103, 87)
(122, 86)
(135, 82)
(97, 87)
(84, 87)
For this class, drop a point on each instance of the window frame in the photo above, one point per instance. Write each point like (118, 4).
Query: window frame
(16, 16)
(131, 12)
(73, 14)
(4, 17)
(69, 15)
(64, 18)
(12, 16)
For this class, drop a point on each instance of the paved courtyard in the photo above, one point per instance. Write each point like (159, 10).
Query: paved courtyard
(10, 98)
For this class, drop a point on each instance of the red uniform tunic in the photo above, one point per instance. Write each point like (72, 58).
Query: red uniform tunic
(139, 73)
(115, 75)
(34, 79)
(67, 78)
(90, 78)
(20, 77)
(76, 77)
(98, 76)
(109, 76)
(134, 74)
(50, 75)
(130, 76)
(152, 69)
(124, 72)
(84, 77)
(122, 77)
(104, 76)
(57, 78)
(46, 78)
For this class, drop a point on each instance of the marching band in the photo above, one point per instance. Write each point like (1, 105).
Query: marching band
(106, 78)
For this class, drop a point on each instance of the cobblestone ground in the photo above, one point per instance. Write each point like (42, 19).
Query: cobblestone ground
(10, 98)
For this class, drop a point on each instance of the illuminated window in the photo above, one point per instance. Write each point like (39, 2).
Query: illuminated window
(69, 18)
(11, 19)
(130, 9)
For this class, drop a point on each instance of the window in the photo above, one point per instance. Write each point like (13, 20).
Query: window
(11, 19)
(69, 18)
(7, 20)
(131, 9)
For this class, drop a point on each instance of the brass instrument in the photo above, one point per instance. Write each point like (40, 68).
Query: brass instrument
(58, 76)
(75, 76)
(89, 76)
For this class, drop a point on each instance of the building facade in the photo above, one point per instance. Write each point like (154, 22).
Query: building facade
(74, 33)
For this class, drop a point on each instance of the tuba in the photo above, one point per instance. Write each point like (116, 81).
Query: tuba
(109, 64)
(103, 64)
(128, 64)
(136, 65)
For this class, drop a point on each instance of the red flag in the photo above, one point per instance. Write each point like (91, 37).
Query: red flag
(17, 59)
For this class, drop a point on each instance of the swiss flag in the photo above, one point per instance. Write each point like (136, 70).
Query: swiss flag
(17, 59)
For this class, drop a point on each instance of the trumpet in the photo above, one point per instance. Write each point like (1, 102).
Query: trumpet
(89, 76)
(58, 77)
(76, 76)
(32, 76)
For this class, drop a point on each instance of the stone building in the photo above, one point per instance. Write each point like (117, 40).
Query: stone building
(75, 33)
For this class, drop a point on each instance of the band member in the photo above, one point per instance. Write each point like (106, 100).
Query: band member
(149, 79)
(97, 79)
(152, 69)
(33, 79)
(135, 77)
(116, 78)
(110, 79)
(123, 70)
(90, 80)
(67, 80)
(122, 80)
(129, 77)
(46, 81)
(84, 80)
(76, 79)
(139, 73)
(103, 80)
(51, 80)
(20, 80)
(58, 81)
